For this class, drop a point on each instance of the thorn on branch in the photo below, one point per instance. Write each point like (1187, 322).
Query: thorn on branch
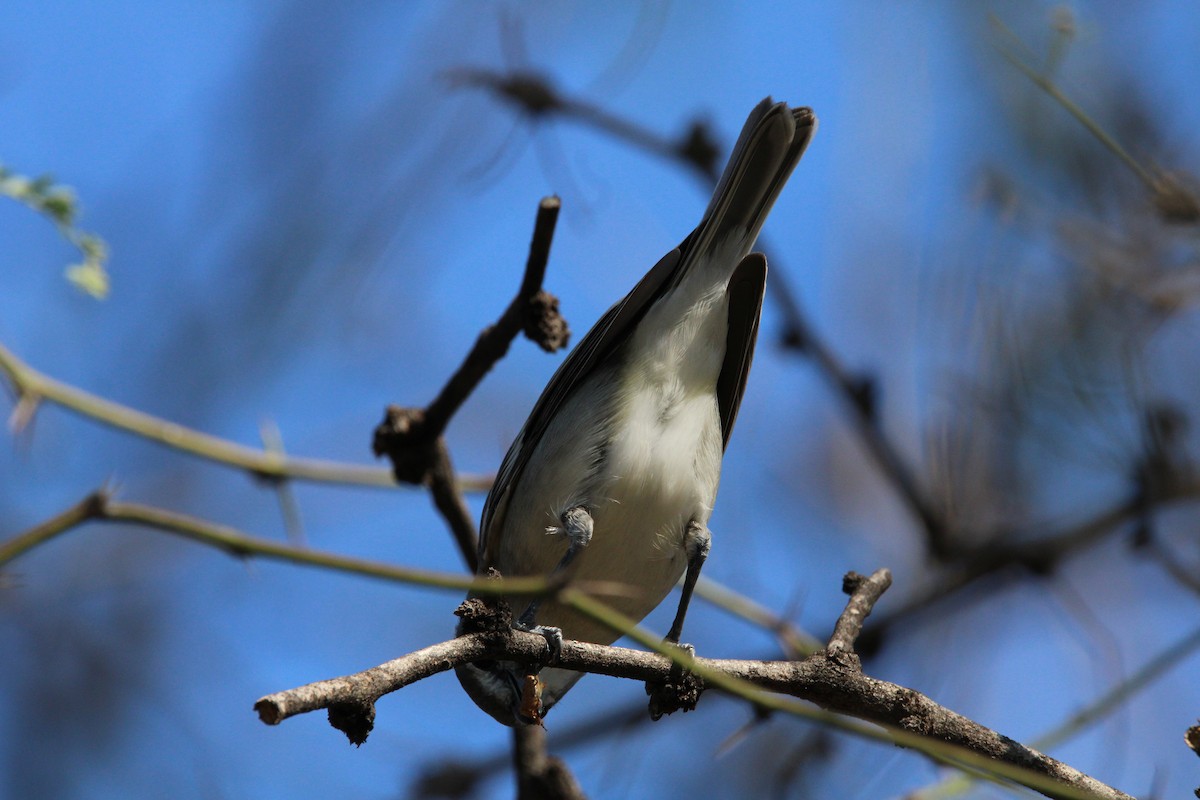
(24, 411)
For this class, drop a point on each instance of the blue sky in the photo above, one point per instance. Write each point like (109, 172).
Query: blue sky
(307, 223)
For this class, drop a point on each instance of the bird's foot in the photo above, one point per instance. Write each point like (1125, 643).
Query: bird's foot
(680, 691)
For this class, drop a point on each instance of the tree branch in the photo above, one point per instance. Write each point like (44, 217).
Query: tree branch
(411, 438)
(1099, 708)
(541, 776)
(1025, 550)
(532, 311)
(864, 593)
(32, 387)
(99, 506)
(828, 679)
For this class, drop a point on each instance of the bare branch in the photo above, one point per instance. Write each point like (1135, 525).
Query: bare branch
(548, 331)
(99, 506)
(864, 593)
(450, 504)
(411, 438)
(541, 776)
(910, 718)
(60, 523)
(32, 387)
(362, 689)
(535, 96)
(1038, 554)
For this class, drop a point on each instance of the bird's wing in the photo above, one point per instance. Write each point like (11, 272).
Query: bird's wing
(609, 333)
(745, 295)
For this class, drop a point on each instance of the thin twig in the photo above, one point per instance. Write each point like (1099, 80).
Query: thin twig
(411, 438)
(864, 593)
(1175, 201)
(535, 96)
(494, 341)
(450, 504)
(86, 509)
(99, 506)
(32, 386)
(1038, 554)
(1070, 106)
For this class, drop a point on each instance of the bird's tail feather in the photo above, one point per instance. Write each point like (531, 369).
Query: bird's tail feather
(768, 149)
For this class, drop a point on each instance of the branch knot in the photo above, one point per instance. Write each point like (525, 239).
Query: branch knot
(404, 438)
(543, 324)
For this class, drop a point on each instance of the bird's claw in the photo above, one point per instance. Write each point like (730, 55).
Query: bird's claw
(552, 635)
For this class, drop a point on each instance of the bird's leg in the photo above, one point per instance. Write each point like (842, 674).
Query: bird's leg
(577, 525)
(697, 541)
(682, 690)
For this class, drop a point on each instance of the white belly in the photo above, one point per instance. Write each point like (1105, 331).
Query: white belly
(641, 450)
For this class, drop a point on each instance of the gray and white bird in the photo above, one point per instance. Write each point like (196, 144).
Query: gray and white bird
(615, 472)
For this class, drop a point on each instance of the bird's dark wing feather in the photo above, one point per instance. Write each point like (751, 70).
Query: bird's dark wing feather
(745, 295)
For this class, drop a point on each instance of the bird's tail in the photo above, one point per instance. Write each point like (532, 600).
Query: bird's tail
(768, 149)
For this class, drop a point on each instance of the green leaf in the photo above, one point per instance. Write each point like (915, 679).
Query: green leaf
(89, 277)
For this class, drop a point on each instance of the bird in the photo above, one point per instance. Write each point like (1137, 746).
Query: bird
(614, 474)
